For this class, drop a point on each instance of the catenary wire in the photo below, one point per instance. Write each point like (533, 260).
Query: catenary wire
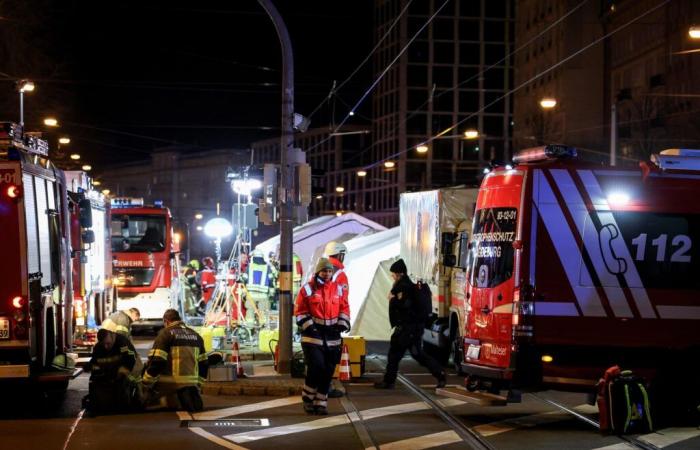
(521, 85)
(381, 76)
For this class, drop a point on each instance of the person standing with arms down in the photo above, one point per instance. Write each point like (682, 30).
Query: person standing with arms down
(177, 366)
(335, 251)
(406, 319)
(322, 313)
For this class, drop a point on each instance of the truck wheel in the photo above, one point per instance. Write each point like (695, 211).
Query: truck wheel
(472, 383)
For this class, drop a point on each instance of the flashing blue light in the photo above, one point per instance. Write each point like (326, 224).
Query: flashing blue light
(158, 203)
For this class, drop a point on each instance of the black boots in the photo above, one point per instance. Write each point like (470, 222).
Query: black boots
(383, 385)
(441, 381)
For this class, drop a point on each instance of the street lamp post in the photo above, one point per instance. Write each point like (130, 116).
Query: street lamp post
(22, 87)
(287, 185)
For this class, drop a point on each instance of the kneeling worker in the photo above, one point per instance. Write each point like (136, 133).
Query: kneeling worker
(177, 366)
(112, 388)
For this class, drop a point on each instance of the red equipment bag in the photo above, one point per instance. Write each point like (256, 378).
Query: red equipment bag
(603, 400)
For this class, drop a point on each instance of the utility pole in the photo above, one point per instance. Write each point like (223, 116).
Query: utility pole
(285, 194)
(613, 134)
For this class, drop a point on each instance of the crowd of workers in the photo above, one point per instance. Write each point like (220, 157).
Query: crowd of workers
(177, 363)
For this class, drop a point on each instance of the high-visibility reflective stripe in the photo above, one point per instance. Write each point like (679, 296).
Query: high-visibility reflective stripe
(309, 389)
(334, 343)
(310, 340)
(325, 321)
(343, 316)
(346, 322)
(337, 274)
(147, 378)
(202, 357)
(179, 379)
(158, 353)
(308, 290)
(201, 380)
(301, 317)
(307, 324)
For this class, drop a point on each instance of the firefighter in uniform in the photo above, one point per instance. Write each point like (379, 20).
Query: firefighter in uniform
(120, 321)
(191, 287)
(259, 277)
(335, 251)
(112, 387)
(177, 366)
(322, 313)
(207, 281)
(408, 329)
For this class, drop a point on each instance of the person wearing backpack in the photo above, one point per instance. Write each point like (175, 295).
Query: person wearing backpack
(407, 316)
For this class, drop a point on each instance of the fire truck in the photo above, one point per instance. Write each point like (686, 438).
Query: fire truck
(92, 258)
(575, 267)
(36, 288)
(145, 263)
(435, 227)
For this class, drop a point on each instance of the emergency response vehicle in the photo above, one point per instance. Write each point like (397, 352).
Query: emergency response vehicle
(35, 269)
(145, 263)
(575, 267)
(92, 257)
(435, 229)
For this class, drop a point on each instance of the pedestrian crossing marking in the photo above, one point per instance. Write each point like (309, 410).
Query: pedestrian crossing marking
(618, 446)
(243, 409)
(216, 439)
(423, 442)
(327, 422)
(669, 436)
(527, 421)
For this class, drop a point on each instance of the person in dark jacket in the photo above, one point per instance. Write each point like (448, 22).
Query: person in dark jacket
(405, 319)
(112, 387)
(177, 366)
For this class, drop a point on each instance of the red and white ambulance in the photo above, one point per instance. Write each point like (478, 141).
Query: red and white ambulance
(145, 263)
(574, 267)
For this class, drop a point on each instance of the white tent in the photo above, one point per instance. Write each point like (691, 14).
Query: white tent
(314, 233)
(372, 318)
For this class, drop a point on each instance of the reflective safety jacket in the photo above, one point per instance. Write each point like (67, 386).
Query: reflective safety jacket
(208, 283)
(118, 322)
(258, 275)
(322, 312)
(177, 358)
(339, 276)
(105, 364)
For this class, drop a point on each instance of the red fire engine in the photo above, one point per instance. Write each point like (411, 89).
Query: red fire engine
(146, 267)
(574, 267)
(92, 257)
(36, 286)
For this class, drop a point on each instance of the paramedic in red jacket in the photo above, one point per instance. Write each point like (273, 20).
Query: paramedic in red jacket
(322, 313)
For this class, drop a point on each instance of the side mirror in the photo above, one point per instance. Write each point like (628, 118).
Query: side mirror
(85, 217)
(88, 237)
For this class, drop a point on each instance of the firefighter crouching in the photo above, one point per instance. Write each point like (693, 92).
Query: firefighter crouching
(112, 387)
(120, 321)
(322, 313)
(176, 368)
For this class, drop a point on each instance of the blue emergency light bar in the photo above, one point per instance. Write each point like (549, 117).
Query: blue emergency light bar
(545, 152)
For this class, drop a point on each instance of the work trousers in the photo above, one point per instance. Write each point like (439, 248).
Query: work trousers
(320, 364)
(408, 338)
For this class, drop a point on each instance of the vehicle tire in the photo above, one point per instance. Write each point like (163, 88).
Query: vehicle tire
(472, 384)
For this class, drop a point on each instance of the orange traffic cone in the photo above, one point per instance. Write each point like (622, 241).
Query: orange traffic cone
(344, 373)
(236, 359)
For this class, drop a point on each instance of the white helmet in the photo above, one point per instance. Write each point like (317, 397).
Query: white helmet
(335, 248)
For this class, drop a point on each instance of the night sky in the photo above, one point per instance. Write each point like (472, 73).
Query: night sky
(126, 77)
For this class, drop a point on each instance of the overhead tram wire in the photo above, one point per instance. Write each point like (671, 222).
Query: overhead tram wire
(335, 88)
(479, 74)
(521, 85)
(379, 78)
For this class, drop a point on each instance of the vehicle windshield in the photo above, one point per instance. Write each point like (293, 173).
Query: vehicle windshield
(144, 233)
(491, 252)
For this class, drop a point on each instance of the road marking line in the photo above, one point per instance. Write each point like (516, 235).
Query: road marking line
(327, 422)
(528, 421)
(216, 439)
(620, 446)
(184, 415)
(422, 442)
(243, 409)
(669, 436)
(447, 402)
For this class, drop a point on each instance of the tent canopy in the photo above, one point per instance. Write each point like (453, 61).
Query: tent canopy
(309, 236)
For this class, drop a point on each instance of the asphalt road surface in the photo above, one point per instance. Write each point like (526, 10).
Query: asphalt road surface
(366, 418)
